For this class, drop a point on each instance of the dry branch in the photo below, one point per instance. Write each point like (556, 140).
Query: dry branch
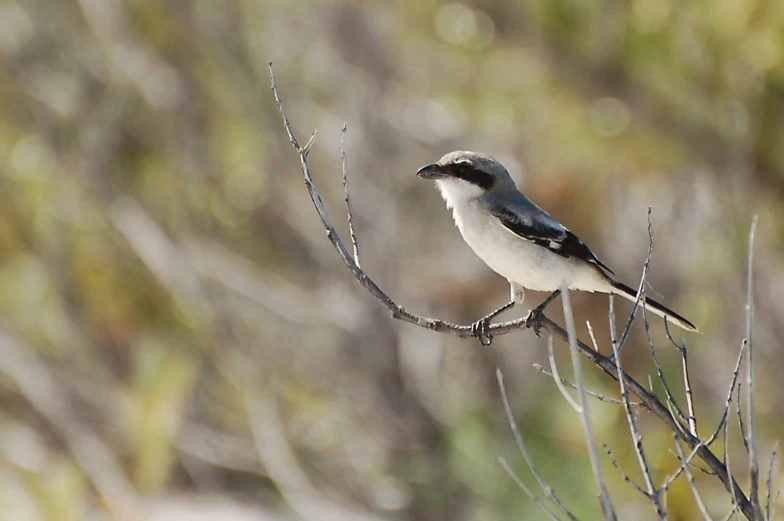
(606, 364)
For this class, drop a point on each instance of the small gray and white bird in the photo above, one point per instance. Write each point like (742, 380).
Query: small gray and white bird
(520, 241)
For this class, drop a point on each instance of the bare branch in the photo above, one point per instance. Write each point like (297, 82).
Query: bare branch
(690, 477)
(611, 317)
(557, 378)
(684, 462)
(741, 423)
(623, 473)
(651, 490)
(687, 390)
(735, 503)
(672, 403)
(647, 399)
(728, 401)
(349, 213)
(692, 416)
(590, 333)
(640, 288)
(527, 490)
(600, 397)
(546, 488)
(604, 495)
(286, 122)
(752, 439)
(397, 311)
(768, 512)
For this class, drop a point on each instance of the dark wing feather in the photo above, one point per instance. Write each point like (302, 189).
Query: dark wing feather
(546, 232)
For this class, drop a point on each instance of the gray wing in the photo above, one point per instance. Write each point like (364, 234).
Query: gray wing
(531, 223)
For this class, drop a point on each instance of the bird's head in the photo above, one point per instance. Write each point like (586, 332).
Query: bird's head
(462, 176)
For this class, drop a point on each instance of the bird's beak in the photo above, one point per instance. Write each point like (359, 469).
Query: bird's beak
(434, 171)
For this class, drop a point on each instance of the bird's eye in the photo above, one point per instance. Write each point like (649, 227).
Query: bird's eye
(463, 169)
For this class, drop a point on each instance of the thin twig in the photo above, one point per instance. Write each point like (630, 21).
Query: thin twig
(692, 418)
(690, 478)
(600, 397)
(640, 295)
(687, 390)
(652, 491)
(741, 423)
(585, 414)
(684, 462)
(349, 213)
(527, 490)
(623, 474)
(728, 401)
(546, 488)
(729, 472)
(557, 378)
(590, 333)
(752, 439)
(768, 513)
(648, 399)
(671, 401)
(611, 317)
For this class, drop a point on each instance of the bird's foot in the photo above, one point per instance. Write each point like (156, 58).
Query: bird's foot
(532, 321)
(479, 329)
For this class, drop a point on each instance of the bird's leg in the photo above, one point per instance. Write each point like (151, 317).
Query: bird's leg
(532, 320)
(479, 328)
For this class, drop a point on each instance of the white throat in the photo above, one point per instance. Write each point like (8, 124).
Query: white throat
(457, 191)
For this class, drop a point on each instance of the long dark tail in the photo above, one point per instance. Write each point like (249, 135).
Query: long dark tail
(653, 306)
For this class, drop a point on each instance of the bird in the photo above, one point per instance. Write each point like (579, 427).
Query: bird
(519, 240)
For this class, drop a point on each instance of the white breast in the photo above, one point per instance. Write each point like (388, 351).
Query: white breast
(519, 260)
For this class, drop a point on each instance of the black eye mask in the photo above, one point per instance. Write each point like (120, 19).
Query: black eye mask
(472, 175)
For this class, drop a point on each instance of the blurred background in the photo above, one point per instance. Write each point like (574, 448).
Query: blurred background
(179, 340)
